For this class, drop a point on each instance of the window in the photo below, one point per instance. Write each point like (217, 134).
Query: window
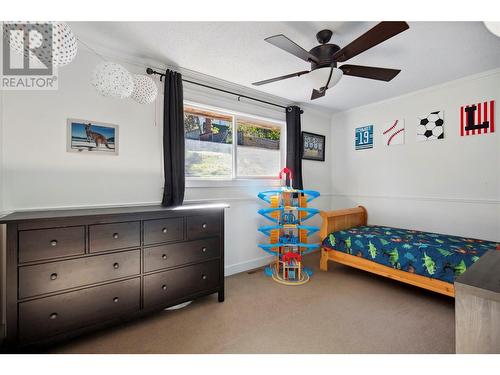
(258, 150)
(227, 145)
(209, 138)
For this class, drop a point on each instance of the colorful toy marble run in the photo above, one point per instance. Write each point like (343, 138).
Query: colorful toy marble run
(288, 236)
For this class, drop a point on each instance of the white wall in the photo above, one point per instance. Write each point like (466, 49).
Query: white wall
(242, 219)
(38, 170)
(449, 186)
(39, 173)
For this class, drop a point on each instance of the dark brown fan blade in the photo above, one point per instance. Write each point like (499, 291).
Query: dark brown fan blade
(318, 93)
(298, 74)
(383, 31)
(371, 72)
(289, 46)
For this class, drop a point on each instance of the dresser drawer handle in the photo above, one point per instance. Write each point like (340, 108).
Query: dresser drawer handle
(204, 277)
(116, 266)
(53, 276)
(115, 236)
(204, 225)
(164, 256)
(53, 316)
(164, 287)
(203, 249)
(164, 230)
(53, 243)
(115, 300)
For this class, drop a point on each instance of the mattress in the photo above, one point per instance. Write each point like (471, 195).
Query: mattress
(433, 255)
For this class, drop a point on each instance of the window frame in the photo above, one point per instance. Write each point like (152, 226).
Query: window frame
(235, 179)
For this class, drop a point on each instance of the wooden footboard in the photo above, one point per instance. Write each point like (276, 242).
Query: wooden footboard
(348, 218)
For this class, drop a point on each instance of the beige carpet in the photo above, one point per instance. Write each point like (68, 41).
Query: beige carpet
(341, 311)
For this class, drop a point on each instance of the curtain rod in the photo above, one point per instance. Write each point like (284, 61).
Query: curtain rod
(151, 71)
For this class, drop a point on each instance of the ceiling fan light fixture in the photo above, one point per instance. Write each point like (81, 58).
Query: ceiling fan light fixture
(319, 77)
(336, 76)
(325, 57)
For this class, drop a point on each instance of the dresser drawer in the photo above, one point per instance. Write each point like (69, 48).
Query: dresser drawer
(54, 276)
(114, 236)
(158, 257)
(163, 230)
(162, 288)
(49, 316)
(51, 243)
(203, 226)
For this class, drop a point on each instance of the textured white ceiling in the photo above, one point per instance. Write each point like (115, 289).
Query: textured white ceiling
(428, 53)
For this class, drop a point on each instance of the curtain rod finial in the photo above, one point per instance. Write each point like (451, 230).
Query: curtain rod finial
(149, 71)
(291, 107)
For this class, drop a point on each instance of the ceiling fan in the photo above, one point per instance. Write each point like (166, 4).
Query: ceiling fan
(327, 55)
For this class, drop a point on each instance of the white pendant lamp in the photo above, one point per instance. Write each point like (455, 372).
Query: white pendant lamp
(64, 43)
(112, 80)
(145, 89)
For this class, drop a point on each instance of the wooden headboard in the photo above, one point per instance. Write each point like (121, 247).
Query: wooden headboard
(342, 219)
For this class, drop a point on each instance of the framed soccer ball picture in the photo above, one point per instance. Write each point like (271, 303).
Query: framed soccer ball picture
(430, 126)
(313, 146)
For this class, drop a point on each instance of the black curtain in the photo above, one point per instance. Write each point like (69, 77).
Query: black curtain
(294, 145)
(173, 140)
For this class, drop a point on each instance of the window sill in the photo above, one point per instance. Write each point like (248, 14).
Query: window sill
(221, 183)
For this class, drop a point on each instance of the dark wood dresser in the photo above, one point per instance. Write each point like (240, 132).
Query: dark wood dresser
(70, 271)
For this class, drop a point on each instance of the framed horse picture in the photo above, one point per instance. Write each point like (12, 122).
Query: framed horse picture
(91, 136)
(313, 146)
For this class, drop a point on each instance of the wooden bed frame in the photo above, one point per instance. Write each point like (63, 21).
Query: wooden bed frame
(352, 217)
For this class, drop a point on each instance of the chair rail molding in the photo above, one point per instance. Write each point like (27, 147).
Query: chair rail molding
(417, 198)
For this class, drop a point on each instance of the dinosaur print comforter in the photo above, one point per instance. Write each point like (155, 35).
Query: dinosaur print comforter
(433, 255)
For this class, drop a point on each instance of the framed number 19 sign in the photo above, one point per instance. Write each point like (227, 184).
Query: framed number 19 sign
(364, 137)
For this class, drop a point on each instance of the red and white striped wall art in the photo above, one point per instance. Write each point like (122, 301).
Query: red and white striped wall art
(477, 118)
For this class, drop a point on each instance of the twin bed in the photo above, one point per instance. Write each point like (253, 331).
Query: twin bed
(427, 260)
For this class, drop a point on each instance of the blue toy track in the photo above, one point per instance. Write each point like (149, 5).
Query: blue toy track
(266, 229)
(268, 247)
(288, 233)
(311, 212)
(265, 195)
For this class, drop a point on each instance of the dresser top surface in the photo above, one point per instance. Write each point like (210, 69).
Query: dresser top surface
(20, 216)
(484, 274)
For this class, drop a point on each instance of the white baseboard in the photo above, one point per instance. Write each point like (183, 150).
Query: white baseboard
(247, 265)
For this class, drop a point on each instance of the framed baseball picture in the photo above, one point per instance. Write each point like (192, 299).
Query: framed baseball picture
(313, 146)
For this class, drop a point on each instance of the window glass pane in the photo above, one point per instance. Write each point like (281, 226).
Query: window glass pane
(208, 143)
(258, 152)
